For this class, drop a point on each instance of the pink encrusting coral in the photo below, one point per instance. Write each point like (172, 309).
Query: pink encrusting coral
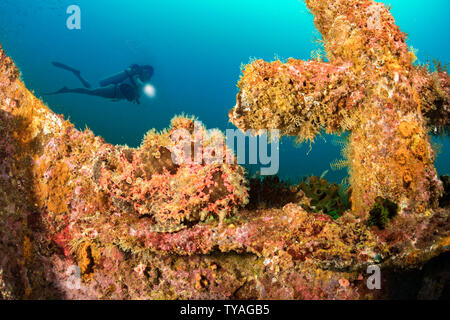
(148, 182)
(104, 185)
(84, 219)
(369, 87)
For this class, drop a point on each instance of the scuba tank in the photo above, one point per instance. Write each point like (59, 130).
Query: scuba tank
(115, 79)
(121, 76)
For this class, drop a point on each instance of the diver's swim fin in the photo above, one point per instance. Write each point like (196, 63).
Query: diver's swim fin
(76, 72)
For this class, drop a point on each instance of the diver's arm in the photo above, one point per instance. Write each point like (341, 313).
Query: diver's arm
(138, 81)
(140, 85)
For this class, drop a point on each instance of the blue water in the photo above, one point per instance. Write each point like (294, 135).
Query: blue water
(196, 48)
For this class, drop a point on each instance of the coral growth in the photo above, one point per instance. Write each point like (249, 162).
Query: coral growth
(271, 192)
(382, 211)
(148, 182)
(369, 87)
(324, 197)
(314, 195)
(83, 219)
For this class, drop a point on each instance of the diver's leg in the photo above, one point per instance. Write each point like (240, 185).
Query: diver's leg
(107, 92)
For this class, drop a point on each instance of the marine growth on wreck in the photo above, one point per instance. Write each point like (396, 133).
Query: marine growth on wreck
(84, 219)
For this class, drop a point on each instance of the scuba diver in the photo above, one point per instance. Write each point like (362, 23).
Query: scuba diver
(127, 84)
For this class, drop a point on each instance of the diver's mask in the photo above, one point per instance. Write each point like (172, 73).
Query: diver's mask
(144, 72)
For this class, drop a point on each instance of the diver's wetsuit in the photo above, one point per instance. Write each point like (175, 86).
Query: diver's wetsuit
(125, 90)
(128, 86)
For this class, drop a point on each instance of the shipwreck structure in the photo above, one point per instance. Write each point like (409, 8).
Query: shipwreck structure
(84, 219)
